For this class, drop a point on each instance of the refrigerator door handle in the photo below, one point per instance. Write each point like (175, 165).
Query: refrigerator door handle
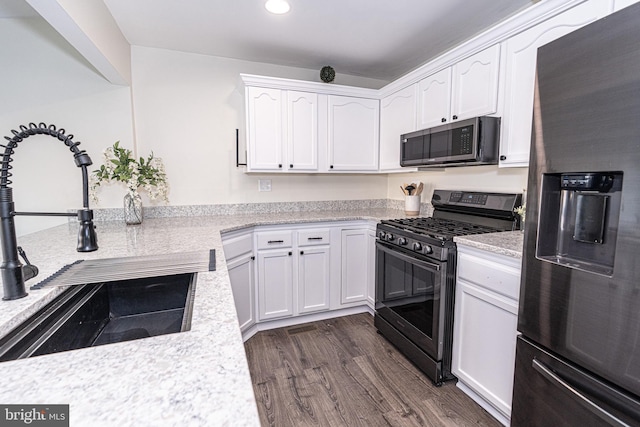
(550, 376)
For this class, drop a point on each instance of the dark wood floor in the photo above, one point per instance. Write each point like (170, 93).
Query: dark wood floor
(340, 372)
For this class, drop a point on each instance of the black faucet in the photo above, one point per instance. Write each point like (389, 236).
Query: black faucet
(14, 274)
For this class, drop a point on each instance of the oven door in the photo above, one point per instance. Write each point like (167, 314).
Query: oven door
(409, 296)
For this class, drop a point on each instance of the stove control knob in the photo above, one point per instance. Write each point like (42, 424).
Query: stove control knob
(402, 241)
(390, 237)
(417, 247)
(428, 249)
(382, 235)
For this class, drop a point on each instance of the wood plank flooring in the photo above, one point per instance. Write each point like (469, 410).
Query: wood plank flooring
(341, 372)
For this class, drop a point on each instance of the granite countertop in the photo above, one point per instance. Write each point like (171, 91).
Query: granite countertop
(508, 243)
(197, 377)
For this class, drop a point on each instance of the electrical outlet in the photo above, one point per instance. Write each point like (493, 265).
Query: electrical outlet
(264, 185)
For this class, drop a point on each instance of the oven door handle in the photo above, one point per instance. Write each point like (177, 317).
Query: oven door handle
(412, 260)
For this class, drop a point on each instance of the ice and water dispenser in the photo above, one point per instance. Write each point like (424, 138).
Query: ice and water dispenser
(578, 222)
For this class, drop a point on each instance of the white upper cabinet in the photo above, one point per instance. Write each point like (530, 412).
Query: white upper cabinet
(302, 131)
(434, 99)
(520, 56)
(264, 128)
(306, 127)
(467, 89)
(474, 90)
(282, 130)
(621, 4)
(353, 133)
(397, 117)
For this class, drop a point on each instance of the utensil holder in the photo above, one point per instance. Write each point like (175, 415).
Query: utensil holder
(412, 205)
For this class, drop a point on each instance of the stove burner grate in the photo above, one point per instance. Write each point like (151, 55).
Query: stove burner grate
(439, 228)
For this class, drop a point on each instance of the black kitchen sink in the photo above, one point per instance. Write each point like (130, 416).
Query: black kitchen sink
(104, 313)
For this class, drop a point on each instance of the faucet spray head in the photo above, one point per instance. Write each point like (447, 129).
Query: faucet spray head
(87, 239)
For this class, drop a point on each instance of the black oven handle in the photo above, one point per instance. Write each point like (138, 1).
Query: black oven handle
(410, 259)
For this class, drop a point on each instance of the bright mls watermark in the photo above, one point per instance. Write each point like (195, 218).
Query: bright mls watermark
(34, 415)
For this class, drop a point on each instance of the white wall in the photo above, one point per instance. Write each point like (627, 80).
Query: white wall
(183, 107)
(43, 79)
(471, 178)
(187, 108)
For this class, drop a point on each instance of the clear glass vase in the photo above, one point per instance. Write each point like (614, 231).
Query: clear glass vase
(132, 209)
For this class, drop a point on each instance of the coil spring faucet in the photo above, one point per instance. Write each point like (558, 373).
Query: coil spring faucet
(13, 273)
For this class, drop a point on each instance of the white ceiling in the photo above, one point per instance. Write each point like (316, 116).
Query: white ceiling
(16, 9)
(380, 39)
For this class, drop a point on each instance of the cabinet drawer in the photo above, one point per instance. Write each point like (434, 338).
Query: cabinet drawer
(318, 236)
(237, 246)
(499, 278)
(274, 239)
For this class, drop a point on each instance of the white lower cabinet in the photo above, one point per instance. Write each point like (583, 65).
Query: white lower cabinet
(371, 267)
(485, 328)
(242, 284)
(238, 250)
(317, 270)
(295, 277)
(355, 266)
(314, 275)
(275, 283)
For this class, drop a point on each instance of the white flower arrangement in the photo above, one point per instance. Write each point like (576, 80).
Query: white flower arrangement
(522, 210)
(119, 165)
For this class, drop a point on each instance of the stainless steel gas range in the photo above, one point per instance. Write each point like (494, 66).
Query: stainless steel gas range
(416, 272)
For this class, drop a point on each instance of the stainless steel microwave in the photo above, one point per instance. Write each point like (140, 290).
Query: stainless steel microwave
(463, 143)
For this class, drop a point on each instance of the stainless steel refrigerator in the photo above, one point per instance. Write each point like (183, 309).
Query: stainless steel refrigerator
(578, 358)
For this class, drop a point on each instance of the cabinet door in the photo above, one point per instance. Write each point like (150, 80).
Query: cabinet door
(397, 116)
(521, 53)
(475, 85)
(484, 344)
(302, 134)
(355, 266)
(264, 128)
(242, 284)
(314, 274)
(371, 271)
(353, 133)
(434, 94)
(275, 284)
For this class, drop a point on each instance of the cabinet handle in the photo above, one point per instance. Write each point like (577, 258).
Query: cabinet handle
(301, 252)
(314, 238)
(455, 117)
(291, 165)
(253, 258)
(443, 120)
(503, 157)
(331, 167)
(280, 166)
(290, 253)
(275, 241)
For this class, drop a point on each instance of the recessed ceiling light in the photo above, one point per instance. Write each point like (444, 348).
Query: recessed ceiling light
(277, 6)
